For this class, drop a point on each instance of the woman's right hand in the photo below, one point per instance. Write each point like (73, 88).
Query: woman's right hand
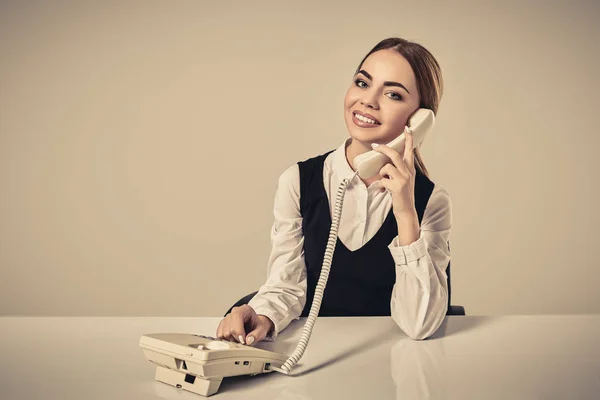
(241, 320)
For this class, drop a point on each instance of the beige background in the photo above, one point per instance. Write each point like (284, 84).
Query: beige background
(140, 146)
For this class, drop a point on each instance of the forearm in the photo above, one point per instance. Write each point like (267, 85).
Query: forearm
(418, 305)
(421, 254)
(419, 297)
(408, 228)
(279, 306)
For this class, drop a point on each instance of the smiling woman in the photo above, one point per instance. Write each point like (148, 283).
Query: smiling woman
(392, 251)
(418, 84)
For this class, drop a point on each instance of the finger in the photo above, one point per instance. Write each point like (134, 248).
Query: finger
(392, 154)
(385, 185)
(409, 160)
(391, 172)
(220, 329)
(226, 323)
(409, 140)
(238, 317)
(258, 334)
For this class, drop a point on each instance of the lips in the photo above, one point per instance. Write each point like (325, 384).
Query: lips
(368, 116)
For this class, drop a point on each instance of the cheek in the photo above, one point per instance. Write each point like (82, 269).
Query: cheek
(395, 126)
(351, 98)
(401, 119)
(347, 100)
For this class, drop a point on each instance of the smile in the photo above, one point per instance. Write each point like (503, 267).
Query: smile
(363, 122)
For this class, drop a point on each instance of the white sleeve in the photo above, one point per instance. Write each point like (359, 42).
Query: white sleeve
(419, 299)
(283, 296)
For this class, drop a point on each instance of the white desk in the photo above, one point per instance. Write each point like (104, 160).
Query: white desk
(513, 357)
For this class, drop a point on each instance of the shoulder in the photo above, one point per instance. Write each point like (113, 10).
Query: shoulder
(317, 158)
(438, 213)
(440, 196)
(289, 179)
(287, 195)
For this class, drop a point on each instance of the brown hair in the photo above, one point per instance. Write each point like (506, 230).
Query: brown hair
(427, 73)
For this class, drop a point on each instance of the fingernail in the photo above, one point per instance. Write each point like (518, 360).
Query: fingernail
(250, 340)
(373, 145)
(241, 339)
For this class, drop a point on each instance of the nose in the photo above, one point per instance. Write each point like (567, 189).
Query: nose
(369, 101)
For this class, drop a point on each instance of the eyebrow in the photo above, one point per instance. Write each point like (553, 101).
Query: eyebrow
(386, 83)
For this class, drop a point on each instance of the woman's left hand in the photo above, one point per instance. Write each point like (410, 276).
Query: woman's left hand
(399, 178)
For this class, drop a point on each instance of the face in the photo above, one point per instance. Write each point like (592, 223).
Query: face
(385, 88)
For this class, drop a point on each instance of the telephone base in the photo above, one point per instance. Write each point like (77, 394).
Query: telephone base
(199, 363)
(192, 383)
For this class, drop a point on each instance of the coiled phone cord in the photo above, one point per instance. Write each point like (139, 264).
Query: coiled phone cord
(316, 304)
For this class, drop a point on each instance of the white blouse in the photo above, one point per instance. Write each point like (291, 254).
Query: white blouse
(420, 294)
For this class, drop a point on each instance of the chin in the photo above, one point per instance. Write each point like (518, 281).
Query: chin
(360, 134)
(366, 136)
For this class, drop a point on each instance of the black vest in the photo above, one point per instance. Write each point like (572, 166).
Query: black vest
(360, 282)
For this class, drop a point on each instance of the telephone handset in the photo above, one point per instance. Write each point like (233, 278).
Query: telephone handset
(420, 123)
(199, 363)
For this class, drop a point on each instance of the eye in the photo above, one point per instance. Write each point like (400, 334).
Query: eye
(358, 82)
(398, 97)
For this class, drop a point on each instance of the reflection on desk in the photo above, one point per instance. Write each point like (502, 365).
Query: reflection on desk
(519, 358)
(516, 357)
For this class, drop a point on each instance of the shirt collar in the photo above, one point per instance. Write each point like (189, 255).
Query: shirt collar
(340, 165)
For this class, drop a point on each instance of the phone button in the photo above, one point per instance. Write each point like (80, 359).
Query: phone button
(217, 345)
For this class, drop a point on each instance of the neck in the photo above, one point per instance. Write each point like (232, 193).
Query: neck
(353, 149)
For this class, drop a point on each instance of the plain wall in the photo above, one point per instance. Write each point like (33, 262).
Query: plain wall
(141, 144)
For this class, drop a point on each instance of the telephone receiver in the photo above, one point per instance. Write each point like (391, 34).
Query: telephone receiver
(420, 123)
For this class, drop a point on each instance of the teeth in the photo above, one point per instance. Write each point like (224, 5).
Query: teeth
(364, 119)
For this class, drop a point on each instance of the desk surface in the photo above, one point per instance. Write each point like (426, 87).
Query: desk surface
(508, 357)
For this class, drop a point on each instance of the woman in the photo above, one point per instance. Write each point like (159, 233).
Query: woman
(392, 249)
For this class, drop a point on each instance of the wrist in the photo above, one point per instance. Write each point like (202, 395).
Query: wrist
(406, 216)
(267, 320)
(408, 228)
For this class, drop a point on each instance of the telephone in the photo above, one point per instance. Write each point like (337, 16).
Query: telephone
(198, 363)
(420, 124)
